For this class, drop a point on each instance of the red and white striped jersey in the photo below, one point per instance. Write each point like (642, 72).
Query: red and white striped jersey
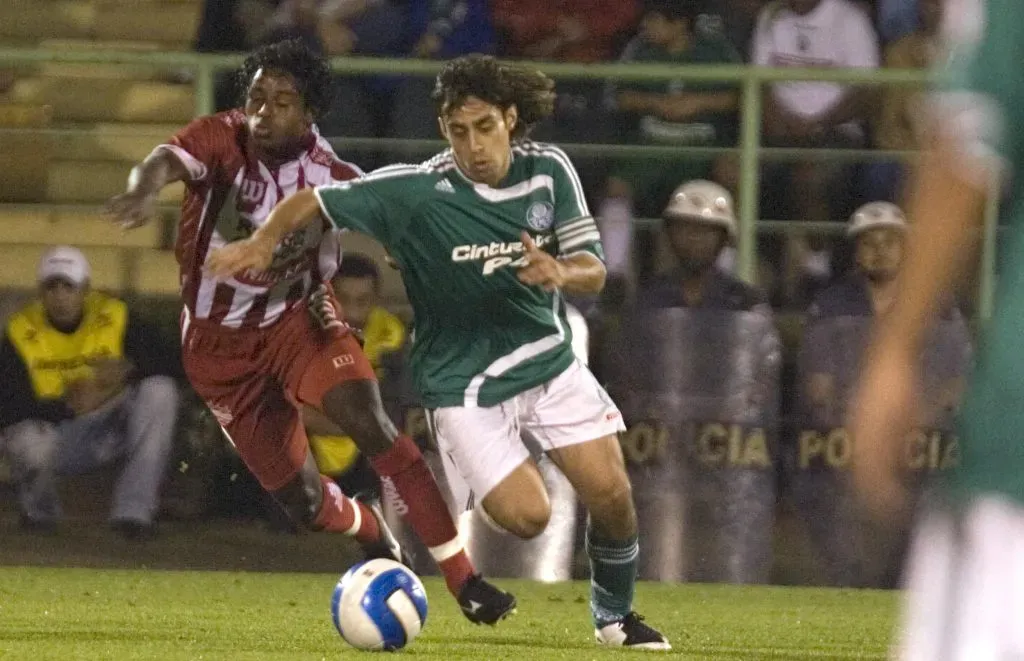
(228, 195)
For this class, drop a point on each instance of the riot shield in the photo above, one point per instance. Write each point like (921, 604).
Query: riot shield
(820, 454)
(701, 394)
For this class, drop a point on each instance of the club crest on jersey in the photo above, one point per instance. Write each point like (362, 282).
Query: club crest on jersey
(252, 191)
(540, 216)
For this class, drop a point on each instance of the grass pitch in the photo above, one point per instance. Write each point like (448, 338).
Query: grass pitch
(110, 615)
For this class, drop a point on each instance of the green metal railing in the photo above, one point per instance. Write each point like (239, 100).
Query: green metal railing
(750, 80)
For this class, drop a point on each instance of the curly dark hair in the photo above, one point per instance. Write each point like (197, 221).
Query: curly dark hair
(294, 57)
(503, 84)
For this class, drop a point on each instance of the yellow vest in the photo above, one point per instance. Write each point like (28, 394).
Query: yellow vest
(384, 333)
(55, 359)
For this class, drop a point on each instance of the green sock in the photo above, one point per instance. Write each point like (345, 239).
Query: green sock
(612, 576)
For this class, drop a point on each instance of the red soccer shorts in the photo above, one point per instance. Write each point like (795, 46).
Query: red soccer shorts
(254, 382)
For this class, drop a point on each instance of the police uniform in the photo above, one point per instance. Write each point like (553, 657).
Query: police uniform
(721, 291)
(700, 385)
(44, 437)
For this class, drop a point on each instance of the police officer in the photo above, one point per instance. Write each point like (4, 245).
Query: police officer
(699, 224)
(877, 230)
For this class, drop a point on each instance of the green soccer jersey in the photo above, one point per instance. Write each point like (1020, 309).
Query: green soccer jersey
(984, 107)
(482, 336)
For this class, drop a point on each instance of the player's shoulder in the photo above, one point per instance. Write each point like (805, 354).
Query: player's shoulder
(323, 154)
(406, 180)
(543, 151)
(440, 164)
(543, 156)
(228, 122)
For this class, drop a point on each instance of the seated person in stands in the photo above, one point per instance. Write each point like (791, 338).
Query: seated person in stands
(802, 114)
(357, 285)
(673, 112)
(898, 121)
(82, 388)
(878, 231)
(563, 31)
(699, 223)
(437, 30)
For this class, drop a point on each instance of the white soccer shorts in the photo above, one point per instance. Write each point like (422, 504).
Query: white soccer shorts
(483, 445)
(965, 585)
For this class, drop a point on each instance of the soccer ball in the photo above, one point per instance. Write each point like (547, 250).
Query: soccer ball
(379, 605)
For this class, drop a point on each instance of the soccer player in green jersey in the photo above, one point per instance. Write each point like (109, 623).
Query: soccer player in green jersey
(488, 235)
(966, 573)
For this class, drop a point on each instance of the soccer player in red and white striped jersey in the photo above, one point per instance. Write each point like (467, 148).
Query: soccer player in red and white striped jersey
(261, 343)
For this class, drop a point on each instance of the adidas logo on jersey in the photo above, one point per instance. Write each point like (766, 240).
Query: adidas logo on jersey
(444, 186)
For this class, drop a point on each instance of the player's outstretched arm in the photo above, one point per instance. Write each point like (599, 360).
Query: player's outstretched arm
(582, 273)
(945, 207)
(137, 205)
(257, 252)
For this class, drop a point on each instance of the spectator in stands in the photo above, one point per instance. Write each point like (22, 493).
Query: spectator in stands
(877, 230)
(359, 105)
(699, 223)
(898, 122)
(82, 389)
(443, 29)
(357, 285)
(231, 26)
(733, 19)
(437, 29)
(813, 33)
(672, 112)
(564, 30)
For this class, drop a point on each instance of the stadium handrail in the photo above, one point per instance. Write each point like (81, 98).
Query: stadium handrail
(750, 78)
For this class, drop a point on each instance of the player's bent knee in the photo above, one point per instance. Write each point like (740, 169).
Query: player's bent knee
(611, 504)
(523, 521)
(532, 523)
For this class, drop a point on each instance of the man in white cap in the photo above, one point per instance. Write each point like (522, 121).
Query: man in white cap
(700, 224)
(82, 388)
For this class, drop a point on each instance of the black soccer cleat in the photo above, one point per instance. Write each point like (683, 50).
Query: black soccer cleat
(631, 632)
(387, 546)
(483, 603)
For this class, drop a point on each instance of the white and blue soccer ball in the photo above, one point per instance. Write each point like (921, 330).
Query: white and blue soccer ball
(379, 605)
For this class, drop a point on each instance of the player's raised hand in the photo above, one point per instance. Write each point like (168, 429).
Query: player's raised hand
(132, 209)
(239, 256)
(540, 269)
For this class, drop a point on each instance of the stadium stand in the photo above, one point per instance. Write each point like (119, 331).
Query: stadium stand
(102, 119)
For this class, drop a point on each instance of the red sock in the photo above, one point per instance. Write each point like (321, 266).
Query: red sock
(410, 486)
(339, 513)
